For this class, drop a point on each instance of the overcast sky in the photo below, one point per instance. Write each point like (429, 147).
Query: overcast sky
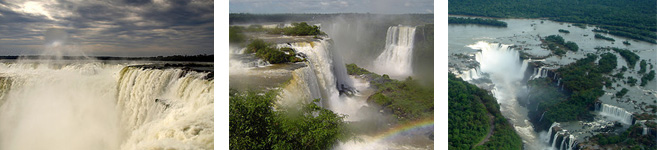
(332, 6)
(114, 27)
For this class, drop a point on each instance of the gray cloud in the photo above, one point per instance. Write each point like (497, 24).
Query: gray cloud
(331, 6)
(120, 28)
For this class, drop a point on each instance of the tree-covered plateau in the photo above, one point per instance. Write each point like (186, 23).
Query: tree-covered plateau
(473, 116)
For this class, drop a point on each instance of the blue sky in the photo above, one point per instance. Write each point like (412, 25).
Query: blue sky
(110, 28)
(331, 6)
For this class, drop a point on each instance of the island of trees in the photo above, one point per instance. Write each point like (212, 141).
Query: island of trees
(558, 46)
(479, 21)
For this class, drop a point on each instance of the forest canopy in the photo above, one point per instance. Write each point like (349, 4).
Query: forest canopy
(472, 114)
(632, 19)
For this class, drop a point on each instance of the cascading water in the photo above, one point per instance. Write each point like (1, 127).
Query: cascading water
(616, 113)
(331, 77)
(304, 86)
(397, 57)
(471, 74)
(506, 71)
(90, 105)
(540, 72)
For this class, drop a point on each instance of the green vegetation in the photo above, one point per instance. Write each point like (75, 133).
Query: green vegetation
(607, 63)
(583, 26)
(600, 36)
(621, 93)
(582, 82)
(407, 100)
(564, 31)
(626, 42)
(632, 19)
(641, 35)
(353, 69)
(647, 78)
(558, 46)
(479, 21)
(630, 57)
(555, 38)
(543, 92)
(298, 29)
(255, 125)
(642, 67)
(572, 46)
(470, 112)
(632, 138)
(269, 53)
(631, 81)
(235, 35)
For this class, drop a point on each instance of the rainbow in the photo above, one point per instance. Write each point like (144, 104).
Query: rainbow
(392, 132)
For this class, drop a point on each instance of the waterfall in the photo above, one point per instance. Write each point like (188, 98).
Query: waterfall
(645, 131)
(59, 107)
(541, 72)
(616, 113)
(554, 141)
(166, 105)
(325, 62)
(539, 120)
(554, 124)
(559, 82)
(506, 71)
(471, 74)
(397, 57)
(563, 142)
(331, 77)
(302, 87)
(92, 105)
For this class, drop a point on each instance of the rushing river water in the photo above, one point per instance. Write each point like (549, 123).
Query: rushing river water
(81, 105)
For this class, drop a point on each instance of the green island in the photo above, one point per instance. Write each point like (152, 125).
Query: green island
(631, 138)
(558, 46)
(600, 36)
(236, 33)
(266, 51)
(635, 19)
(408, 100)
(475, 120)
(479, 21)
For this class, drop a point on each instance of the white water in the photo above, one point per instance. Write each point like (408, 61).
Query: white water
(506, 71)
(89, 105)
(329, 76)
(397, 57)
(471, 74)
(303, 86)
(616, 113)
(540, 72)
(323, 76)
